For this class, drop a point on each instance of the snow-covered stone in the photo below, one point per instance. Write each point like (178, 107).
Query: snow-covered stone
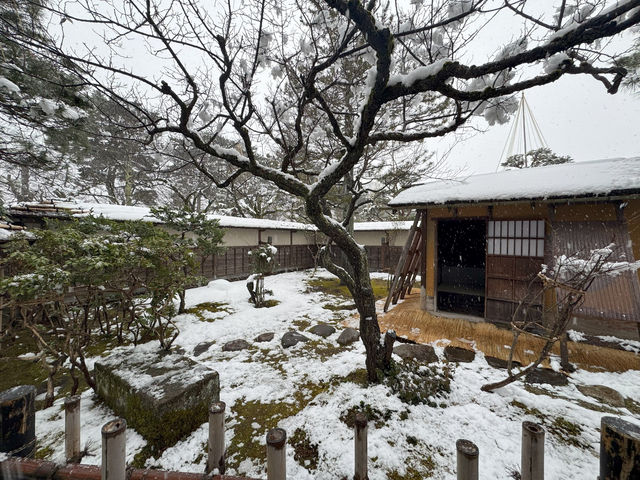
(162, 395)
(290, 339)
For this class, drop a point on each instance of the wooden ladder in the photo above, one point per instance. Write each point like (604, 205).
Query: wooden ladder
(410, 263)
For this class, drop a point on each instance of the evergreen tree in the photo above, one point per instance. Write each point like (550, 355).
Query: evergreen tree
(41, 110)
(536, 158)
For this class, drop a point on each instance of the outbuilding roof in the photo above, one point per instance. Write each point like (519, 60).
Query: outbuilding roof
(600, 178)
(127, 212)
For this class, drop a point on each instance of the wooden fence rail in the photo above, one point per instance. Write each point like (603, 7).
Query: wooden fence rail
(619, 452)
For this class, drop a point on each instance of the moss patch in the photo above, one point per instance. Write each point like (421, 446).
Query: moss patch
(204, 311)
(416, 384)
(269, 303)
(565, 431)
(331, 286)
(305, 452)
(375, 415)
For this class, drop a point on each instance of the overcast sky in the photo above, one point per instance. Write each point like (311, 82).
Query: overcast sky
(577, 117)
(576, 114)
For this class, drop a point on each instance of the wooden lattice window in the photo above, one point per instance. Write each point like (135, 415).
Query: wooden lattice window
(519, 238)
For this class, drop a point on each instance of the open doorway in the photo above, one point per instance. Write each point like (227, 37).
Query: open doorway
(461, 266)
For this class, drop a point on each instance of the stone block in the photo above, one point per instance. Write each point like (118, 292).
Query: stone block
(420, 353)
(163, 396)
(458, 354)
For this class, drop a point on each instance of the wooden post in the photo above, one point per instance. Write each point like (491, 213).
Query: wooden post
(360, 441)
(215, 457)
(276, 454)
(18, 421)
(619, 449)
(532, 456)
(467, 460)
(114, 435)
(72, 429)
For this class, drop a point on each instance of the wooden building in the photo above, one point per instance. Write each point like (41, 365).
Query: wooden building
(479, 242)
(296, 242)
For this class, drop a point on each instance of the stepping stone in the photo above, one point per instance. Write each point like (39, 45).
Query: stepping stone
(603, 394)
(418, 352)
(264, 337)
(235, 345)
(348, 336)
(496, 362)
(323, 330)
(201, 348)
(546, 375)
(458, 354)
(292, 338)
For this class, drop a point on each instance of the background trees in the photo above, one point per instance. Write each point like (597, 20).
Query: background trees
(309, 92)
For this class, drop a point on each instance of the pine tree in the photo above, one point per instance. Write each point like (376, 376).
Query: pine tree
(536, 158)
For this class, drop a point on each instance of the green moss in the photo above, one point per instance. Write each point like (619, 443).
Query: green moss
(19, 342)
(202, 309)
(305, 452)
(632, 406)
(358, 376)
(320, 349)
(416, 384)
(15, 371)
(528, 410)
(373, 414)
(301, 323)
(269, 303)
(565, 431)
(44, 453)
(584, 404)
(422, 468)
(339, 307)
(332, 286)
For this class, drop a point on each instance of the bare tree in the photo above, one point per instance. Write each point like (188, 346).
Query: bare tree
(549, 308)
(270, 75)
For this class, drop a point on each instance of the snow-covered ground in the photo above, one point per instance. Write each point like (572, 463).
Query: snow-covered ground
(304, 387)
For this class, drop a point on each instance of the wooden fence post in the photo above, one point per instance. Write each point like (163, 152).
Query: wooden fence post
(467, 460)
(360, 443)
(72, 429)
(532, 456)
(215, 457)
(276, 454)
(114, 438)
(18, 421)
(619, 449)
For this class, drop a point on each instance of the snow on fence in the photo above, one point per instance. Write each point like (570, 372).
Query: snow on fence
(619, 450)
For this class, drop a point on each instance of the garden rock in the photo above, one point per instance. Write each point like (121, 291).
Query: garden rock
(458, 354)
(235, 345)
(546, 375)
(496, 362)
(418, 352)
(348, 336)
(292, 338)
(264, 337)
(162, 395)
(603, 394)
(323, 330)
(201, 348)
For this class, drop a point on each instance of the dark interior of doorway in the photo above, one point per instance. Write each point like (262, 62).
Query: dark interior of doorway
(461, 266)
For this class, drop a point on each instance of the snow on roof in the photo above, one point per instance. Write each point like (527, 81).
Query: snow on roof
(381, 226)
(594, 178)
(127, 212)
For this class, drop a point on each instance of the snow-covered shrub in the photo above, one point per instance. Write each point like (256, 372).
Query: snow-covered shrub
(263, 263)
(82, 278)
